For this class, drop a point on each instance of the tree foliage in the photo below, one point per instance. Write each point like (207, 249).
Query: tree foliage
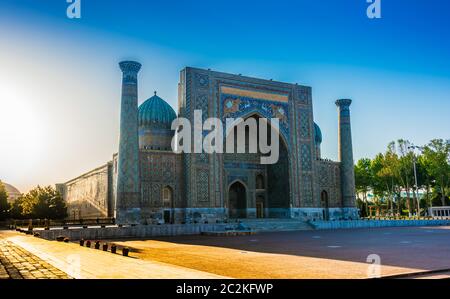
(4, 205)
(40, 203)
(436, 156)
(392, 172)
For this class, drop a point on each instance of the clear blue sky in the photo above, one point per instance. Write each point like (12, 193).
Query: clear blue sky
(64, 79)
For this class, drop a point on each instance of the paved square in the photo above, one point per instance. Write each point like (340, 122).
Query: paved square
(305, 254)
(295, 254)
(17, 263)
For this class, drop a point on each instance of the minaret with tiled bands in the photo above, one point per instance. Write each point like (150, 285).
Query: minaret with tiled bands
(346, 154)
(128, 177)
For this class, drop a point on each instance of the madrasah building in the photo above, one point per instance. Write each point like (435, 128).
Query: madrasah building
(146, 182)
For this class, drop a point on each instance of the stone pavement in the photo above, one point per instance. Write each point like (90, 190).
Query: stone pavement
(307, 254)
(17, 263)
(421, 252)
(82, 262)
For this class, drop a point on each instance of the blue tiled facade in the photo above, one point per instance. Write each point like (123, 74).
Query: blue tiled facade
(151, 184)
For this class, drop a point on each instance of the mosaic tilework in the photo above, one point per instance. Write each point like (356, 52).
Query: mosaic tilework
(202, 180)
(201, 103)
(234, 107)
(128, 185)
(307, 190)
(306, 157)
(346, 153)
(304, 123)
(202, 80)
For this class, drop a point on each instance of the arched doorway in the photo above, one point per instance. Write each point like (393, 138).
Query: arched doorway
(278, 185)
(259, 182)
(167, 198)
(260, 200)
(237, 200)
(272, 180)
(324, 202)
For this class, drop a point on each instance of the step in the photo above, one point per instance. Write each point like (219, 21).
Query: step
(229, 233)
(275, 224)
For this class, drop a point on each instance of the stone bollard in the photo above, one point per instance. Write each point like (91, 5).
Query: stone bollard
(82, 242)
(113, 248)
(105, 246)
(125, 251)
(88, 244)
(97, 245)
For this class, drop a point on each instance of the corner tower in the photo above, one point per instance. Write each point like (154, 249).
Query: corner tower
(128, 177)
(346, 157)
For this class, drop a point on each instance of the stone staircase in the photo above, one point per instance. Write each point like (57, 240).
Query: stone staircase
(272, 224)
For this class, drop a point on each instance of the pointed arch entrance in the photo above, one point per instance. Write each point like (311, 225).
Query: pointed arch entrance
(167, 198)
(325, 204)
(237, 197)
(269, 183)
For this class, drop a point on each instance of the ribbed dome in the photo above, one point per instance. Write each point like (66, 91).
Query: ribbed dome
(13, 192)
(317, 134)
(155, 111)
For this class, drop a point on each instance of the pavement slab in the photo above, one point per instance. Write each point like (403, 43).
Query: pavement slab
(14, 265)
(70, 259)
(347, 253)
(300, 254)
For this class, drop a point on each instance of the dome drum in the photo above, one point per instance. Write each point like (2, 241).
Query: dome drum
(155, 120)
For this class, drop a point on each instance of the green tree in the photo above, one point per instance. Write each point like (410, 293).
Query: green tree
(41, 203)
(363, 180)
(436, 156)
(405, 171)
(4, 205)
(384, 168)
(16, 211)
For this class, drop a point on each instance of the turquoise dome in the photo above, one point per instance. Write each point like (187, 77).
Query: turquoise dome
(156, 112)
(317, 134)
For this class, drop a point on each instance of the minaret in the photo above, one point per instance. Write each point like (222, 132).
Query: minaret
(128, 177)
(346, 154)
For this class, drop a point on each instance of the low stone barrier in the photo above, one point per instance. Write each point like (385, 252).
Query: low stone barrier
(349, 224)
(138, 231)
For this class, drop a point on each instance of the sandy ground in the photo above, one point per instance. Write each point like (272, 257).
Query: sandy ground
(305, 254)
(81, 262)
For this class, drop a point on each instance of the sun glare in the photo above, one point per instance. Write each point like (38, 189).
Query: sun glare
(21, 131)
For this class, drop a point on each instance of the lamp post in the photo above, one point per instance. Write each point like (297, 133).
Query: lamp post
(431, 199)
(416, 187)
